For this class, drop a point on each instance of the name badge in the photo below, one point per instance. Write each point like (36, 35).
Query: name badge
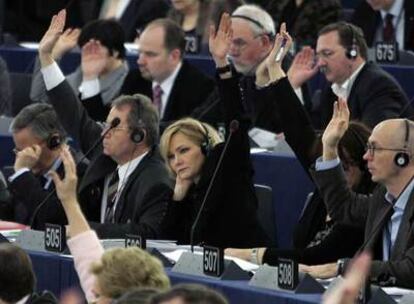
(213, 261)
(135, 240)
(287, 274)
(386, 52)
(55, 238)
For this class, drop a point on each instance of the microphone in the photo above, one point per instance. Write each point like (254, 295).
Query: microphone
(233, 127)
(114, 123)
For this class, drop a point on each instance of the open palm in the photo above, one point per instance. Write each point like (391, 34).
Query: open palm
(53, 33)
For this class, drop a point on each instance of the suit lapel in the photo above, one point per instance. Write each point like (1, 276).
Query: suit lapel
(98, 169)
(173, 98)
(404, 231)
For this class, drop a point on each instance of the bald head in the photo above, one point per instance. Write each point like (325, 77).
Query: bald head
(395, 133)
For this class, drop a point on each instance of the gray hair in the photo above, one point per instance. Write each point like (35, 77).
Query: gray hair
(42, 120)
(260, 21)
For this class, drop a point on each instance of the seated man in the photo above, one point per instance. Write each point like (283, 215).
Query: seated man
(126, 185)
(386, 20)
(38, 136)
(386, 214)
(17, 279)
(175, 86)
(341, 55)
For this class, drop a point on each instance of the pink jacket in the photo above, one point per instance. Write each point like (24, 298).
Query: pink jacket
(86, 249)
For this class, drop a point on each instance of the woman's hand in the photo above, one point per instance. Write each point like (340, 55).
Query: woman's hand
(181, 188)
(66, 42)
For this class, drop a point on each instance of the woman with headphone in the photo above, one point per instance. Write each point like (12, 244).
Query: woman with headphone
(214, 199)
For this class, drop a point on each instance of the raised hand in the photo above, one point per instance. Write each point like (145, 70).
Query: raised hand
(94, 59)
(66, 187)
(66, 42)
(270, 69)
(220, 40)
(49, 39)
(335, 129)
(27, 158)
(303, 67)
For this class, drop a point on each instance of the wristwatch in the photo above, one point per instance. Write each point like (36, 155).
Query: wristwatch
(223, 69)
(341, 267)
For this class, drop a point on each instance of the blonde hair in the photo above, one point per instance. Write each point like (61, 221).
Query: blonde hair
(121, 269)
(196, 131)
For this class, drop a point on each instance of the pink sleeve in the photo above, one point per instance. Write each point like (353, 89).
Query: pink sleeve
(86, 249)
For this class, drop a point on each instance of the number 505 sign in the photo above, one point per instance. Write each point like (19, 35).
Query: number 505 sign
(55, 238)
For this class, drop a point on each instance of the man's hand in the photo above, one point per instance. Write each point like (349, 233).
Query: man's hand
(66, 42)
(94, 59)
(335, 129)
(324, 271)
(270, 69)
(27, 158)
(347, 291)
(303, 67)
(220, 40)
(66, 187)
(50, 38)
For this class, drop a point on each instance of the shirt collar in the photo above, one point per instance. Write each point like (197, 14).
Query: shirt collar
(395, 9)
(167, 84)
(402, 200)
(125, 170)
(23, 300)
(56, 164)
(343, 90)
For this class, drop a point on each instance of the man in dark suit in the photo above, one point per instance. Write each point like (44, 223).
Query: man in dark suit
(371, 93)
(38, 136)
(387, 214)
(176, 87)
(371, 17)
(126, 185)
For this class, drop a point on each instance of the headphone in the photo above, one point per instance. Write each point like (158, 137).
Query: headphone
(205, 144)
(402, 158)
(137, 132)
(53, 141)
(352, 51)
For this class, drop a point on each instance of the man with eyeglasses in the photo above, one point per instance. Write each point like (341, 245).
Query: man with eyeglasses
(38, 137)
(387, 214)
(341, 55)
(126, 186)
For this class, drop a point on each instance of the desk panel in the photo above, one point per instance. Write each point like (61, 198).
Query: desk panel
(56, 273)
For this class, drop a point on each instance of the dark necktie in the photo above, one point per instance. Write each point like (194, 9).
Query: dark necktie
(111, 198)
(156, 97)
(389, 31)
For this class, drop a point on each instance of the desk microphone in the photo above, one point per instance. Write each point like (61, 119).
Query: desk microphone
(234, 126)
(114, 123)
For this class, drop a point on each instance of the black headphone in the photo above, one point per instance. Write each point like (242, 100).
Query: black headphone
(352, 51)
(137, 133)
(402, 158)
(53, 141)
(205, 145)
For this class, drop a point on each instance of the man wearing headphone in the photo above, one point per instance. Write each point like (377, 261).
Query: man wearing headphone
(341, 55)
(126, 185)
(387, 214)
(38, 137)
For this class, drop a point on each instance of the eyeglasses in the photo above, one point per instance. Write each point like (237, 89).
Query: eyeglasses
(240, 44)
(370, 148)
(107, 125)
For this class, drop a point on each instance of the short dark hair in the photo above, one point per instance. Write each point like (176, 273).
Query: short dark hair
(137, 296)
(190, 294)
(143, 114)
(349, 34)
(17, 278)
(174, 37)
(108, 32)
(41, 118)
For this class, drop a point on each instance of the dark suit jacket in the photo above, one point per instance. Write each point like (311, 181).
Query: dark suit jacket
(375, 96)
(369, 20)
(144, 198)
(367, 212)
(229, 218)
(190, 89)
